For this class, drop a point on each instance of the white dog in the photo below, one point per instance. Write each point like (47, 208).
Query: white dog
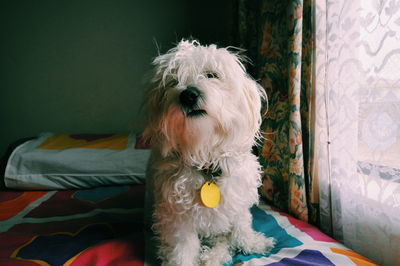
(204, 118)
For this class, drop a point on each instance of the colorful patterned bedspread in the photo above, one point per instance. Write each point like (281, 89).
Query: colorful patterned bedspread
(100, 226)
(104, 226)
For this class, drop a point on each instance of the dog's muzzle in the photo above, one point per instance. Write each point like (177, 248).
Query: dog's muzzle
(190, 100)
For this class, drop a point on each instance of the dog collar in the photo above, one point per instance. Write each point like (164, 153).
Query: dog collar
(211, 173)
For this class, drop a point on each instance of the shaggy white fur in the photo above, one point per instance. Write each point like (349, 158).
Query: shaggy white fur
(204, 116)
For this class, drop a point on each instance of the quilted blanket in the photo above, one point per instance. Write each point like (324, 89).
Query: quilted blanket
(104, 226)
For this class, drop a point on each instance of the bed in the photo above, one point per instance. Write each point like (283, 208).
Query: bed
(68, 215)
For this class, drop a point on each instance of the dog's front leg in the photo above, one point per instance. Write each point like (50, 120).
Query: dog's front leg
(219, 252)
(180, 245)
(246, 239)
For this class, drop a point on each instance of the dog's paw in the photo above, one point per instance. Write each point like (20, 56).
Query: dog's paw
(178, 256)
(258, 244)
(215, 256)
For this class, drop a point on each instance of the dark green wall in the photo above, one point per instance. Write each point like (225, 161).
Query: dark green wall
(80, 66)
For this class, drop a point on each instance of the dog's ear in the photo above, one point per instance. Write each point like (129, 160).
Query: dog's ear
(153, 100)
(155, 131)
(254, 95)
(159, 133)
(150, 133)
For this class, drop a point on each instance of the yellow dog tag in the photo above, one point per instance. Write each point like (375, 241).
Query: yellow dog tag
(210, 195)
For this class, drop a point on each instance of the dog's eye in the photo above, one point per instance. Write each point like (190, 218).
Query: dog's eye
(172, 83)
(211, 75)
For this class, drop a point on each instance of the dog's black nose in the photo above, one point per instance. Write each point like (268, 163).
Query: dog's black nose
(189, 97)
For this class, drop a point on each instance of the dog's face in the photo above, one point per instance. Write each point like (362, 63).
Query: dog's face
(202, 102)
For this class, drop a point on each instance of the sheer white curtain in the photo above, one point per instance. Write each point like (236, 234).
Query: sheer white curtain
(358, 124)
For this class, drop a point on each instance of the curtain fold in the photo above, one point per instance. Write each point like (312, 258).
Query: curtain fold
(279, 38)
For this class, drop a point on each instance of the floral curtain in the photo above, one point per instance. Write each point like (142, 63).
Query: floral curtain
(278, 36)
(357, 129)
